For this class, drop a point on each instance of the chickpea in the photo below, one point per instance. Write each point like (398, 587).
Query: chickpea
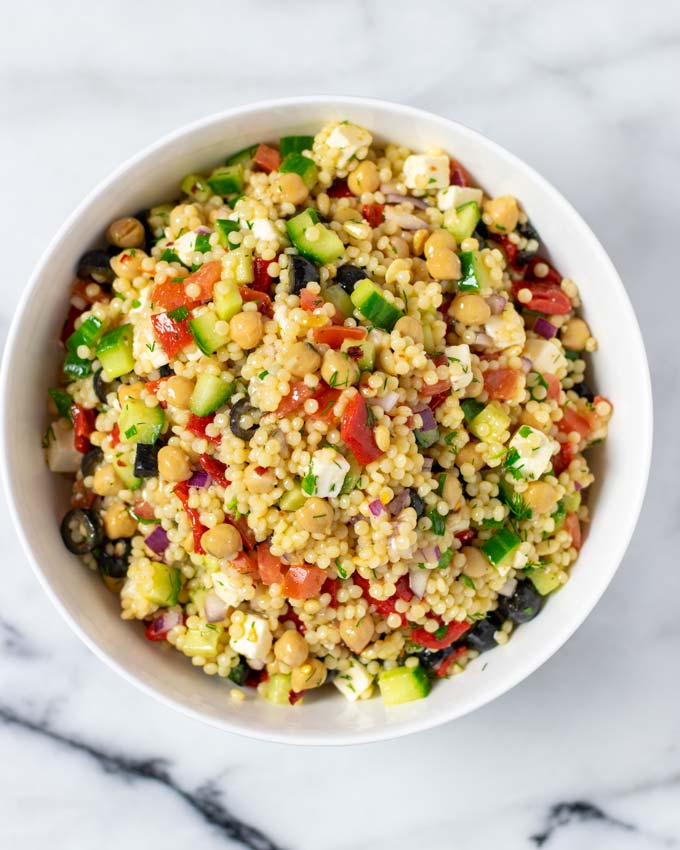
(105, 481)
(259, 480)
(247, 329)
(173, 464)
(118, 522)
(128, 264)
(541, 497)
(126, 233)
(357, 634)
(347, 214)
(410, 326)
(312, 674)
(303, 359)
(126, 391)
(291, 648)
(339, 370)
(420, 237)
(504, 213)
(476, 565)
(315, 516)
(575, 334)
(439, 239)
(178, 390)
(364, 178)
(289, 189)
(222, 541)
(468, 454)
(443, 264)
(398, 248)
(452, 492)
(470, 309)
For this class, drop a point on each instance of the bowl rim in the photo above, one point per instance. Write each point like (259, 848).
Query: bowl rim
(524, 667)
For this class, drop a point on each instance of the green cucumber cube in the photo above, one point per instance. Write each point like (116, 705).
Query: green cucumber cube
(326, 248)
(500, 547)
(196, 187)
(140, 424)
(227, 299)
(292, 499)
(209, 394)
(461, 222)
(203, 327)
(227, 180)
(372, 304)
(544, 582)
(403, 684)
(114, 352)
(296, 163)
(202, 641)
(277, 689)
(475, 274)
(295, 144)
(163, 586)
(87, 334)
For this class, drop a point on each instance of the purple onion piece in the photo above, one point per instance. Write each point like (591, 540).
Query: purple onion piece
(158, 541)
(394, 198)
(544, 328)
(387, 402)
(407, 221)
(215, 607)
(427, 464)
(400, 501)
(199, 479)
(428, 419)
(166, 620)
(526, 365)
(417, 581)
(376, 507)
(496, 304)
(483, 339)
(578, 487)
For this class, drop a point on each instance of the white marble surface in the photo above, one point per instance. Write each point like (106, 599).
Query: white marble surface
(584, 753)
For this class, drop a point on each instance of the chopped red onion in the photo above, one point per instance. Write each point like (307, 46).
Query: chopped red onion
(200, 479)
(428, 555)
(427, 417)
(394, 198)
(407, 221)
(526, 365)
(280, 438)
(483, 339)
(377, 508)
(400, 501)
(496, 304)
(387, 402)
(417, 581)
(388, 188)
(427, 463)
(166, 620)
(545, 328)
(215, 608)
(578, 487)
(158, 541)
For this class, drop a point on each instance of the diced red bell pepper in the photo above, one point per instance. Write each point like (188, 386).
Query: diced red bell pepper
(262, 280)
(215, 469)
(467, 535)
(373, 213)
(69, 325)
(509, 248)
(298, 395)
(115, 436)
(171, 334)
(552, 276)
(295, 696)
(197, 425)
(443, 668)
(303, 581)
(573, 526)
(563, 458)
(573, 421)
(267, 158)
(246, 532)
(443, 637)
(334, 336)
(269, 566)
(554, 385)
(326, 400)
(502, 384)
(458, 176)
(340, 189)
(546, 298)
(438, 399)
(182, 492)
(263, 301)
(331, 586)
(83, 426)
(143, 509)
(356, 430)
(385, 607)
(404, 589)
(310, 300)
(440, 388)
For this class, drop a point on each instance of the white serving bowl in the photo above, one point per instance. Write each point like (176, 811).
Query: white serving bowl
(38, 499)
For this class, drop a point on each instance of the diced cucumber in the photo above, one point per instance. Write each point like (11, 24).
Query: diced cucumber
(513, 499)
(428, 333)
(471, 408)
(196, 187)
(326, 248)
(475, 274)
(76, 367)
(292, 499)
(572, 502)
(367, 360)
(544, 582)
(243, 157)
(425, 439)
(339, 299)
(295, 144)
(372, 304)
(403, 684)
(224, 227)
(296, 163)
(124, 466)
(164, 585)
(87, 334)
(494, 418)
(202, 641)
(203, 327)
(500, 547)
(461, 221)
(227, 299)
(352, 478)
(114, 352)
(238, 265)
(227, 180)
(140, 424)
(210, 393)
(277, 688)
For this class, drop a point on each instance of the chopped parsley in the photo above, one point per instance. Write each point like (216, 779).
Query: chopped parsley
(151, 345)
(263, 375)
(342, 572)
(131, 431)
(438, 522)
(179, 315)
(445, 558)
(308, 483)
(441, 632)
(468, 582)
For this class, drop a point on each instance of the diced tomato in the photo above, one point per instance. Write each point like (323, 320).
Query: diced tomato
(573, 526)
(246, 532)
(152, 386)
(573, 421)
(182, 492)
(80, 496)
(467, 535)
(404, 589)
(303, 581)
(269, 566)
(115, 436)
(263, 301)
(215, 469)
(356, 430)
(83, 426)
(340, 189)
(262, 282)
(326, 401)
(331, 586)
(444, 667)
(295, 696)
(599, 398)
(70, 324)
(197, 425)
(546, 298)
(373, 213)
(267, 158)
(554, 385)
(79, 289)
(438, 399)
(335, 336)
(458, 176)
(563, 458)
(509, 248)
(440, 388)
(171, 295)
(552, 276)
(502, 384)
(443, 637)
(298, 395)
(245, 562)
(384, 607)
(143, 509)
(309, 300)
(171, 334)
(293, 617)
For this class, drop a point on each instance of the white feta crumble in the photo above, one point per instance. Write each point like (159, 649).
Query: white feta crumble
(460, 365)
(230, 588)
(506, 329)
(455, 196)
(149, 354)
(425, 171)
(185, 247)
(517, 561)
(62, 455)
(264, 230)
(546, 357)
(354, 681)
(327, 470)
(349, 139)
(529, 452)
(256, 641)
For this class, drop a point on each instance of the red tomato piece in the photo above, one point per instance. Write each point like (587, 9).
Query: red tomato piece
(458, 175)
(340, 189)
(80, 291)
(303, 581)
(152, 386)
(197, 425)
(573, 526)
(438, 399)
(69, 325)
(171, 334)
(442, 387)
(115, 435)
(554, 385)
(298, 395)
(404, 589)
(247, 535)
(509, 248)
(262, 282)
(245, 562)
(330, 586)
(356, 430)
(373, 213)
(443, 668)
(269, 566)
(267, 158)
(326, 400)
(215, 469)
(563, 458)
(171, 295)
(546, 298)
(263, 301)
(335, 336)
(182, 492)
(295, 696)
(467, 535)
(442, 638)
(143, 510)
(502, 383)
(309, 300)
(83, 426)
(552, 276)
(573, 421)
(384, 607)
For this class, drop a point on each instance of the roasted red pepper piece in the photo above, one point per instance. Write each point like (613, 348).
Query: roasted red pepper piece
(267, 158)
(215, 469)
(198, 424)
(263, 301)
(182, 492)
(340, 189)
(171, 334)
(373, 213)
(546, 298)
(356, 430)
(83, 426)
(262, 281)
(467, 535)
(443, 637)
(442, 669)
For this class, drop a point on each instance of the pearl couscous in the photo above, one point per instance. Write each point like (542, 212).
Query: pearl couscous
(326, 418)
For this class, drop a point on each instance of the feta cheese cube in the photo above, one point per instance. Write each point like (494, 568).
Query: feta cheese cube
(354, 681)
(256, 641)
(460, 365)
(264, 230)
(329, 469)
(423, 171)
(546, 357)
(62, 455)
(185, 247)
(230, 587)
(149, 354)
(349, 139)
(530, 451)
(455, 196)
(506, 329)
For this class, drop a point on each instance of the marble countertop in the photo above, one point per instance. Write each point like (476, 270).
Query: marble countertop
(585, 752)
